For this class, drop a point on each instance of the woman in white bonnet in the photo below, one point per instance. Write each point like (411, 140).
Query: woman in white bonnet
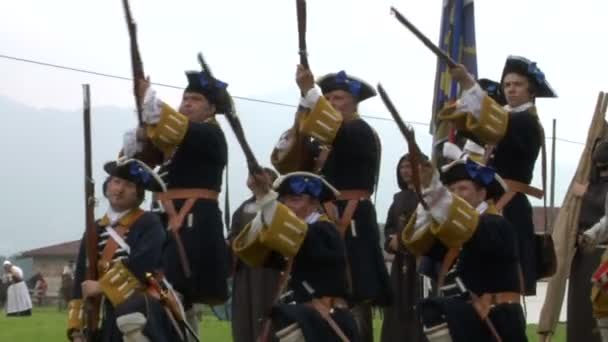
(18, 302)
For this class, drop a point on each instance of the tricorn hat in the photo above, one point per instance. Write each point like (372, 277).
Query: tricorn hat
(525, 67)
(358, 88)
(137, 172)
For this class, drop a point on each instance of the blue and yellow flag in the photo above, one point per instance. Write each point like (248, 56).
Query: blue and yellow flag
(457, 39)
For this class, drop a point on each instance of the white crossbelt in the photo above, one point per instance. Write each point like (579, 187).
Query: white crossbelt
(119, 240)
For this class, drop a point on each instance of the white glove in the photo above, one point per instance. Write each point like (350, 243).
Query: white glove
(151, 107)
(130, 144)
(310, 99)
(470, 101)
(439, 199)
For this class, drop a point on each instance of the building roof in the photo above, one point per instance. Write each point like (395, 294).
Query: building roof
(65, 249)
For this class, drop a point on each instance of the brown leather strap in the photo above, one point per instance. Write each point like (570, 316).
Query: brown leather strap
(353, 195)
(524, 188)
(325, 312)
(176, 219)
(448, 260)
(504, 200)
(342, 224)
(124, 224)
(344, 221)
(514, 188)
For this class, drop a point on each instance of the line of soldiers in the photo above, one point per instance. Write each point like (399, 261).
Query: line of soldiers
(310, 265)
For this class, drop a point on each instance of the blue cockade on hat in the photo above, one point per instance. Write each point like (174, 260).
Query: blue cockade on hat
(209, 82)
(534, 71)
(479, 173)
(301, 185)
(140, 173)
(353, 85)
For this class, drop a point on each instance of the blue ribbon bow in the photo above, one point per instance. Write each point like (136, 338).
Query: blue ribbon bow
(139, 173)
(479, 173)
(305, 185)
(353, 85)
(209, 82)
(535, 72)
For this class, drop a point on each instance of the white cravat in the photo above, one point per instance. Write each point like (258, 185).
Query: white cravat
(519, 108)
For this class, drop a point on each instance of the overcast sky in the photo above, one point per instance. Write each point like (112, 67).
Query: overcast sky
(253, 46)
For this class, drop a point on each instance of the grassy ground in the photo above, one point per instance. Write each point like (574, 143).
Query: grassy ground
(47, 324)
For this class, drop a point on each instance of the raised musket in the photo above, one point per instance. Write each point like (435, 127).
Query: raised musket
(234, 122)
(295, 154)
(149, 154)
(301, 13)
(424, 39)
(410, 138)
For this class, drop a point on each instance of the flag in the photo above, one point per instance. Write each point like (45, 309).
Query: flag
(457, 39)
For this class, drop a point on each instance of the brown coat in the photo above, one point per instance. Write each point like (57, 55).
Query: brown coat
(252, 289)
(401, 321)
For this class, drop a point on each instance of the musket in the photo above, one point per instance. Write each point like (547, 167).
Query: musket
(92, 303)
(301, 13)
(424, 39)
(484, 317)
(149, 154)
(136, 63)
(234, 122)
(410, 138)
(170, 302)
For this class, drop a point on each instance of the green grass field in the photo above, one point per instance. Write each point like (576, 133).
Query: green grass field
(47, 324)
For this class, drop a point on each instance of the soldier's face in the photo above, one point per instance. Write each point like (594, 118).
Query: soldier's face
(342, 101)
(469, 191)
(196, 107)
(301, 205)
(122, 194)
(516, 88)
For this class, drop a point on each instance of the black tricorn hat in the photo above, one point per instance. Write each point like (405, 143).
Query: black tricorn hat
(214, 90)
(468, 169)
(137, 172)
(358, 88)
(525, 67)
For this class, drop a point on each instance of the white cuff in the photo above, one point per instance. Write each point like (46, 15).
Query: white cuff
(310, 99)
(470, 101)
(423, 218)
(267, 207)
(130, 144)
(259, 204)
(151, 107)
(439, 199)
(598, 232)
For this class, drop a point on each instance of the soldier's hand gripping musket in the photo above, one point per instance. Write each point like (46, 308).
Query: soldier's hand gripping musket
(293, 152)
(140, 145)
